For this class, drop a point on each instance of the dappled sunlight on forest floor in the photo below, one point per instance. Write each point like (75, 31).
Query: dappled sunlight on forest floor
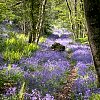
(64, 75)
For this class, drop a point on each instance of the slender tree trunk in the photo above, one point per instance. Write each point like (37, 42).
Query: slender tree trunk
(30, 37)
(68, 7)
(75, 23)
(33, 21)
(41, 18)
(34, 12)
(75, 8)
(92, 11)
(70, 17)
(82, 21)
(82, 5)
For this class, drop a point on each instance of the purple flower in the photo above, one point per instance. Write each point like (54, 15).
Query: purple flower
(64, 36)
(82, 68)
(64, 42)
(49, 68)
(82, 56)
(48, 97)
(88, 93)
(53, 37)
(11, 91)
(76, 46)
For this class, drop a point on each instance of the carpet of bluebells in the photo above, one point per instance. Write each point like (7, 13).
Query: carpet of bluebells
(46, 70)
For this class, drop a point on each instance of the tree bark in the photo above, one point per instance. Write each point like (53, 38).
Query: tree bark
(75, 7)
(34, 12)
(42, 15)
(92, 12)
(70, 15)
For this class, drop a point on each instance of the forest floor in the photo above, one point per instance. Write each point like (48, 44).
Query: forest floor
(64, 71)
(67, 75)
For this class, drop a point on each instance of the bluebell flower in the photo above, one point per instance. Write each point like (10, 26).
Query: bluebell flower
(82, 68)
(76, 46)
(11, 91)
(64, 42)
(82, 56)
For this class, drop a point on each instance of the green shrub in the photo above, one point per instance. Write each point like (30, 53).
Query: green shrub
(42, 39)
(95, 97)
(16, 47)
(82, 40)
(10, 76)
(12, 56)
(2, 44)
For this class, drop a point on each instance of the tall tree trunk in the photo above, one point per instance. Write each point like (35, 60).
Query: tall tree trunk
(30, 37)
(76, 26)
(42, 15)
(34, 13)
(92, 11)
(33, 21)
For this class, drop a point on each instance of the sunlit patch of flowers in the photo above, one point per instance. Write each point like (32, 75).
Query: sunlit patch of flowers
(53, 37)
(49, 42)
(64, 42)
(57, 32)
(62, 32)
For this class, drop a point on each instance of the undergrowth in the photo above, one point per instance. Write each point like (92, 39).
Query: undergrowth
(16, 46)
